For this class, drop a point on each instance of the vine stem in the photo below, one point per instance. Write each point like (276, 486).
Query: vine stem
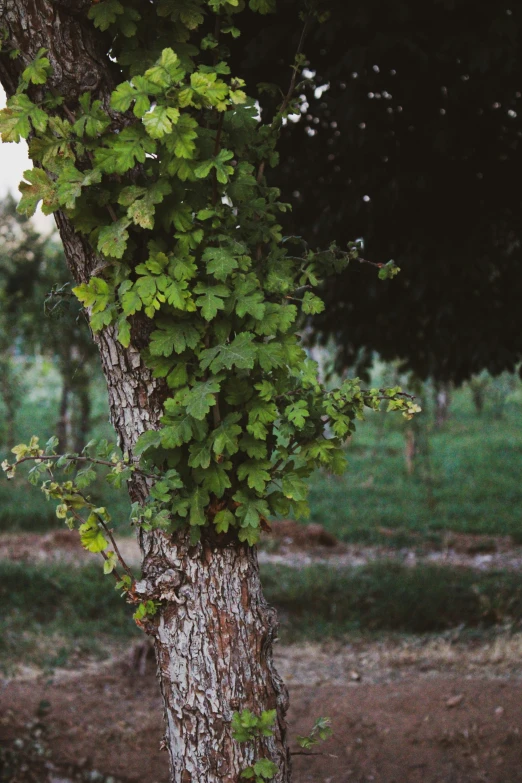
(92, 460)
(216, 152)
(81, 520)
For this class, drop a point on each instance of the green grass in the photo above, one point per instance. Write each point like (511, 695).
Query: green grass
(471, 483)
(23, 508)
(48, 611)
(320, 602)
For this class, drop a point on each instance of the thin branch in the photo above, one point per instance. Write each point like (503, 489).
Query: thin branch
(295, 67)
(216, 152)
(93, 460)
(115, 545)
(81, 520)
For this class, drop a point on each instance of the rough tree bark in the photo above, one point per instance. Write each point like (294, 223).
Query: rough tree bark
(214, 633)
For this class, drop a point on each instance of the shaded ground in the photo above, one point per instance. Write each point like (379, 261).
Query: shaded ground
(402, 713)
(292, 544)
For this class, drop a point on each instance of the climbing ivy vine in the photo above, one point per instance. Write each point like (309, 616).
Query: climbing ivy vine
(167, 184)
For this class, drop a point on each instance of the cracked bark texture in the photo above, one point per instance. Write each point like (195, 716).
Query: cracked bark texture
(214, 633)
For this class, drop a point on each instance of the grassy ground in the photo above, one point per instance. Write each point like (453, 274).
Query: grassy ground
(23, 507)
(51, 614)
(467, 480)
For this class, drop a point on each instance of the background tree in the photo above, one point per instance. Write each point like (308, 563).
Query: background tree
(414, 146)
(37, 322)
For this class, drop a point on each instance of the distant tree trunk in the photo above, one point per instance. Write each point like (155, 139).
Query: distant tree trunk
(8, 390)
(82, 419)
(214, 633)
(63, 425)
(410, 450)
(442, 393)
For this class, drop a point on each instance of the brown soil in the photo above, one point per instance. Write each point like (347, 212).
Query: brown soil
(447, 729)
(436, 711)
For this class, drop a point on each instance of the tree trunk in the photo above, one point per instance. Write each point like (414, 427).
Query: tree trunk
(214, 634)
(82, 421)
(214, 651)
(63, 425)
(442, 394)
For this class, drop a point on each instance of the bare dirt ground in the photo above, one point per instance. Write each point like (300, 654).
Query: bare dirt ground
(291, 544)
(401, 713)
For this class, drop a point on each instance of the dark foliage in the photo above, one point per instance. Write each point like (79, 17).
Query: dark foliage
(423, 115)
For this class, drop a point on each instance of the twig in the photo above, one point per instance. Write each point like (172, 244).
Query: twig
(105, 557)
(115, 545)
(93, 460)
(216, 152)
(288, 96)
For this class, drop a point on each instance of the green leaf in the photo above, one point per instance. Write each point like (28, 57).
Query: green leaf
(130, 300)
(250, 535)
(110, 563)
(141, 203)
(294, 487)
(388, 271)
(270, 355)
(312, 304)
(214, 478)
(255, 449)
(220, 262)
(210, 299)
(239, 353)
(37, 187)
(124, 150)
(226, 435)
(250, 508)
(124, 334)
(177, 432)
(91, 536)
(112, 240)
(181, 138)
(39, 70)
(138, 92)
(224, 520)
(147, 440)
(173, 337)
(188, 12)
(200, 455)
(177, 377)
(159, 121)
(95, 294)
(256, 473)
(167, 70)
(18, 116)
(265, 768)
(297, 413)
(93, 120)
(201, 397)
(263, 6)
(71, 181)
(199, 500)
(219, 164)
(104, 14)
(54, 144)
